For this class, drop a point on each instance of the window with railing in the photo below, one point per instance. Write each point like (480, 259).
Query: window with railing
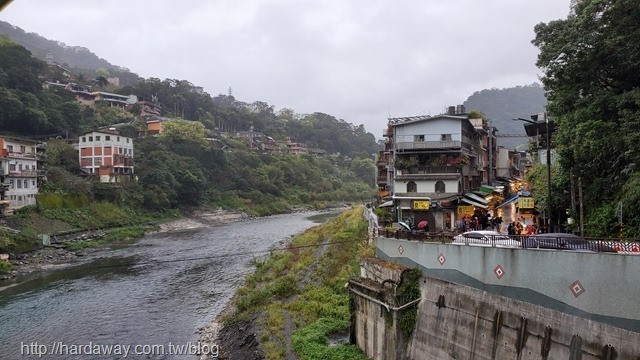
(440, 187)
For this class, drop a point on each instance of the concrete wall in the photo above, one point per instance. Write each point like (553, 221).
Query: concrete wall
(462, 322)
(474, 324)
(594, 286)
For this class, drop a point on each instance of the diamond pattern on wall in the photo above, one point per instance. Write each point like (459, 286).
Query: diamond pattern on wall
(499, 271)
(576, 288)
(400, 249)
(442, 259)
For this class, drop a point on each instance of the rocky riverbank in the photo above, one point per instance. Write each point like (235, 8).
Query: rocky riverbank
(57, 255)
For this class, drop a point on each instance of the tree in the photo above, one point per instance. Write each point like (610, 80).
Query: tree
(101, 82)
(591, 63)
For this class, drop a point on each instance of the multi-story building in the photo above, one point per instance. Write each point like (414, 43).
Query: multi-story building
(439, 166)
(114, 100)
(106, 154)
(148, 106)
(511, 164)
(18, 172)
(296, 148)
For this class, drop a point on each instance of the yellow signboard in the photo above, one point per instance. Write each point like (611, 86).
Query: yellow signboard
(421, 204)
(465, 210)
(525, 202)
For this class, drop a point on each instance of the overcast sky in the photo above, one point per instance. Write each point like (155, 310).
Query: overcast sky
(358, 60)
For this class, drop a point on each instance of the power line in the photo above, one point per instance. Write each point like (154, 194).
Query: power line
(153, 262)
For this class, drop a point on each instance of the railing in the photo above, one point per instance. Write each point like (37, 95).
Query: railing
(537, 241)
(409, 145)
(23, 173)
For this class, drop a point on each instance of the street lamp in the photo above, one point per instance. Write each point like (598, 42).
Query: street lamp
(535, 122)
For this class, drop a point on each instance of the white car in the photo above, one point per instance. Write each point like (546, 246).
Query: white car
(485, 238)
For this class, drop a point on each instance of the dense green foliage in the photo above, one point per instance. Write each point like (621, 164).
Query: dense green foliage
(199, 159)
(306, 284)
(591, 62)
(76, 58)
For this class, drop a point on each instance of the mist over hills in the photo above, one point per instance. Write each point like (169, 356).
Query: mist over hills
(78, 59)
(499, 105)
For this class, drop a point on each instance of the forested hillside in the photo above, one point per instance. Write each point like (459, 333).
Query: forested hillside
(191, 163)
(76, 58)
(502, 105)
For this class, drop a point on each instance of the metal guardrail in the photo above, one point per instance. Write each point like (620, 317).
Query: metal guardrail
(538, 241)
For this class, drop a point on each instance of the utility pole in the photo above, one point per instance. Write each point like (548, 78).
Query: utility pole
(546, 118)
(573, 191)
(581, 206)
(620, 218)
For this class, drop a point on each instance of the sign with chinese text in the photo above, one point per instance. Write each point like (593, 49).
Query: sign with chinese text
(465, 210)
(421, 204)
(525, 202)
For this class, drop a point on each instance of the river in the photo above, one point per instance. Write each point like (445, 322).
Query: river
(156, 291)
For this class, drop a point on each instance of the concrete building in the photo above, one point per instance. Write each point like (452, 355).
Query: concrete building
(18, 172)
(106, 154)
(436, 167)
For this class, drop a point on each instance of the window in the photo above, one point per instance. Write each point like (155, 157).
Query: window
(19, 183)
(97, 137)
(11, 183)
(445, 137)
(12, 167)
(26, 184)
(10, 148)
(107, 138)
(26, 167)
(418, 138)
(23, 149)
(20, 167)
(127, 140)
(97, 161)
(90, 138)
(412, 187)
(84, 139)
(118, 138)
(440, 188)
(33, 183)
(130, 151)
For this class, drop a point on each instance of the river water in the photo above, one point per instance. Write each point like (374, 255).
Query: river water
(154, 292)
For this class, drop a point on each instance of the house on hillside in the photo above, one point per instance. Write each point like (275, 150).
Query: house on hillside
(107, 155)
(18, 172)
(296, 148)
(435, 167)
(149, 107)
(114, 100)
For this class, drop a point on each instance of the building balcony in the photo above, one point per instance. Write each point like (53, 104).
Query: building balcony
(23, 173)
(19, 155)
(432, 176)
(429, 145)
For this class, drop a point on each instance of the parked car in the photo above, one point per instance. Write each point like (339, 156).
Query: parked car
(485, 238)
(563, 241)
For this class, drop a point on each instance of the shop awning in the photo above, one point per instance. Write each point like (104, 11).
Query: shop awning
(508, 201)
(477, 198)
(474, 203)
(386, 204)
(486, 189)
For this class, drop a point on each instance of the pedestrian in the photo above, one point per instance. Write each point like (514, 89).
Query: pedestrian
(510, 229)
(518, 228)
(463, 224)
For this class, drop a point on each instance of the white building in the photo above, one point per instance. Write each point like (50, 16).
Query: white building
(106, 153)
(18, 172)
